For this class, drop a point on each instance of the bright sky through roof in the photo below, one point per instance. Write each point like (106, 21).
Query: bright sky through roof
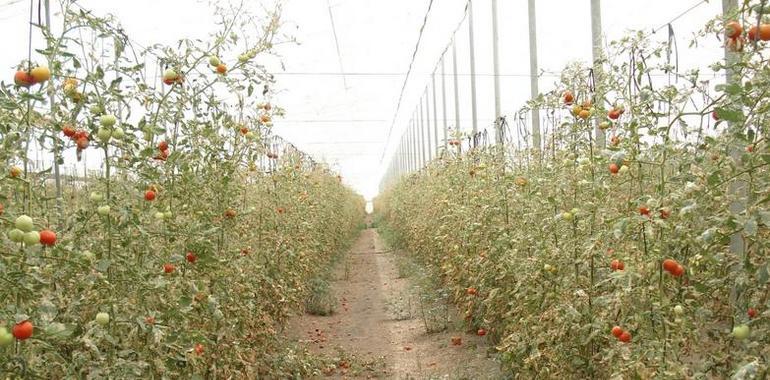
(345, 119)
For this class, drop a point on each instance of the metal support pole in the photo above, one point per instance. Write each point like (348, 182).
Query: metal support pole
(533, 74)
(443, 102)
(435, 114)
(596, 37)
(496, 70)
(457, 90)
(429, 153)
(421, 137)
(737, 188)
(56, 145)
(473, 66)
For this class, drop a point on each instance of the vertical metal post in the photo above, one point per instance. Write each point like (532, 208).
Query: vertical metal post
(420, 136)
(496, 70)
(429, 153)
(443, 102)
(533, 74)
(457, 90)
(473, 66)
(435, 114)
(737, 188)
(56, 146)
(596, 37)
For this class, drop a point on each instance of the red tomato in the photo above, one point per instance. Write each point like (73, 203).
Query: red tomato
(47, 237)
(191, 257)
(617, 331)
(198, 348)
(670, 265)
(665, 213)
(82, 143)
(644, 210)
(471, 291)
(752, 313)
(149, 195)
(168, 268)
(481, 332)
(625, 337)
(230, 213)
(23, 79)
(162, 145)
(678, 271)
(22, 330)
(614, 114)
(733, 29)
(68, 131)
(614, 169)
(568, 97)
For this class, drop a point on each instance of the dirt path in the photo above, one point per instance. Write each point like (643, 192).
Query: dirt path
(365, 338)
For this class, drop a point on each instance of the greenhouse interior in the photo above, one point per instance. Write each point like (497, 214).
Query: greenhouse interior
(372, 189)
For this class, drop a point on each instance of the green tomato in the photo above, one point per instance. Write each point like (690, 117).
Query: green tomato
(678, 310)
(741, 332)
(108, 120)
(31, 238)
(243, 58)
(102, 319)
(24, 223)
(6, 338)
(96, 109)
(160, 215)
(567, 216)
(96, 196)
(623, 169)
(251, 135)
(167, 215)
(574, 211)
(103, 134)
(103, 210)
(214, 61)
(118, 133)
(16, 235)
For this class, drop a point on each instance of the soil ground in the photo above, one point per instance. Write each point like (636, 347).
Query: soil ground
(367, 341)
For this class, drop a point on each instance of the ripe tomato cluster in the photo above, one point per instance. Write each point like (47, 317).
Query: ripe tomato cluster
(36, 75)
(673, 267)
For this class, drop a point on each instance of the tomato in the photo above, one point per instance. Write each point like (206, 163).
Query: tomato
(752, 312)
(715, 115)
(168, 268)
(221, 68)
(568, 97)
(68, 131)
(665, 213)
(16, 235)
(644, 210)
(614, 169)
(163, 145)
(280, 210)
(103, 210)
(617, 265)
(244, 130)
(230, 213)
(6, 338)
(614, 114)
(150, 320)
(741, 332)
(191, 258)
(82, 143)
(584, 114)
(104, 134)
(750, 148)
(24, 223)
(23, 79)
(678, 310)
(22, 330)
(733, 29)
(149, 195)
(678, 271)
(625, 337)
(670, 265)
(617, 331)
(47, 237)
(481, 332)
(118, 133)
(108, 120)
(31, 238)
(471, 291)
(15, 171)
(198, 348)
(102, 318)
(762, 34)
(170, 76)
(264, 119)
(214, 61)
(40, 74)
